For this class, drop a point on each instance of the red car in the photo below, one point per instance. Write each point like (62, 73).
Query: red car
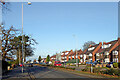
(21, 65)
(57, 63)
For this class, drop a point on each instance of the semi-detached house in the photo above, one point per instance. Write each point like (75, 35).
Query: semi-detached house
(64, 56)
(104, 52)
(109, 51)
(90, 52)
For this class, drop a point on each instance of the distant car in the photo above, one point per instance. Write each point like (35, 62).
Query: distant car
(96, 62)
(40, 63)
(88, 63)
(110, 64)
(93, 63)
(21, 65)
(57, 63)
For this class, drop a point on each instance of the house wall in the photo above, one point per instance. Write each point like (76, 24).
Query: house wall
(93, 53)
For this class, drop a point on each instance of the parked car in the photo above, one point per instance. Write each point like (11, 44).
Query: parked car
(57, 63)
(96, 62)
(93, 63)
(110, 64)
(88, 62)
(30, 65)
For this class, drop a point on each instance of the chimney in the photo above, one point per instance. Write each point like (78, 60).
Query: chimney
(104, 42)
(100, 43)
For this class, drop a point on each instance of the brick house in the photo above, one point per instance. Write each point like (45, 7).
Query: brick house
(64, 56)
(80, 56)
(53, 58)
(69, 55)
(90, 52)
(109, 51)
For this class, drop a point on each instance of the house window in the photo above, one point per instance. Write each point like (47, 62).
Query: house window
(115, 56)
(97, 57)
(91, 48)
(90, 57)
(87, 58)
(106, 56)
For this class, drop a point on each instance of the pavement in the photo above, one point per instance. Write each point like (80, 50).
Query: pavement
(16, 73)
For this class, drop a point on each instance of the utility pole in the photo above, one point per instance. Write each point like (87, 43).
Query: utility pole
(64, 59)
(22, 40)
(1, 38)
(29, 3)
(19, 57)
(76, 50)
(76, 58)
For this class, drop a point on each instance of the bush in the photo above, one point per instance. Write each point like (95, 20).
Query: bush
(82, 64)
(73, 65)
(112, 72)
(97, 70)
(85, 69)
(115, 65)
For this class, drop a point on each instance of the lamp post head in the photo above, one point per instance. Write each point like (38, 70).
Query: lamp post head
(29, 3)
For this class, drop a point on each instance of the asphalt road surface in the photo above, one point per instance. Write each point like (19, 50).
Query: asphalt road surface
(39, 72)
(44, 72)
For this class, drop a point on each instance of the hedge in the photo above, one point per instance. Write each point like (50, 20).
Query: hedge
(115, 65)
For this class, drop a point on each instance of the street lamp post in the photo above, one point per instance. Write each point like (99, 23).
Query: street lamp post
(76, 59)
(22, 39)
(76, 50)
(29, 3)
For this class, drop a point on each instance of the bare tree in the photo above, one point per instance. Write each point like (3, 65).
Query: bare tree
(7, 36)
(4, 5)
(86, 44)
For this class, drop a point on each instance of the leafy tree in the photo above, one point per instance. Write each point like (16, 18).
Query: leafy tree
(87, 44)
(11, 43)
(39, 59)
(48, 58)
(27, 43)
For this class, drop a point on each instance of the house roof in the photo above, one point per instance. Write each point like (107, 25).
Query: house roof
(79, 52)
(117, 48)
(71, 53)
(112, 44)
(100, 50)
(87, 52)
(53, 56)
(65, 52)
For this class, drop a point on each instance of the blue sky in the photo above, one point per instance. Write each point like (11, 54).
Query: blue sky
(54, 24)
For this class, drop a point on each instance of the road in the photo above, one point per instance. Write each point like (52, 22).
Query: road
(39, 72)
(44, 72)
